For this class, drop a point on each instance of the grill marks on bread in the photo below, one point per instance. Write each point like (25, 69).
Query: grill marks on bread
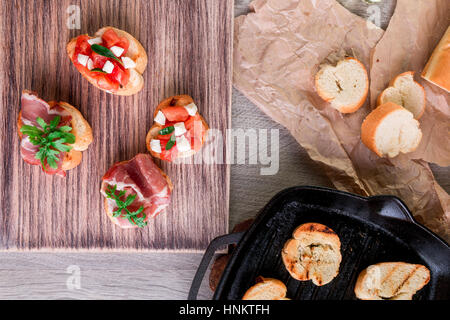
(313, 254)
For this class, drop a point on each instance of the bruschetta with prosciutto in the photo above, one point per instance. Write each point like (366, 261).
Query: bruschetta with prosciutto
(53, 134)
(178, 131)
(112, 60)
(134, 191)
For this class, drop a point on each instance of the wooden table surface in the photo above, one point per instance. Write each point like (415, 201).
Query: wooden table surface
(165, 275)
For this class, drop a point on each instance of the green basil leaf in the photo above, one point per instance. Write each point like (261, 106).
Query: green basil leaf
(65, 128)
(31, 131)
(101, 50)
(98, 70)
(61, 146)
(171, 142)
(52, 163)
(166, 130)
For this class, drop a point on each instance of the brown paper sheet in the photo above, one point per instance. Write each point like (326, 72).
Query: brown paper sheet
(277, 51)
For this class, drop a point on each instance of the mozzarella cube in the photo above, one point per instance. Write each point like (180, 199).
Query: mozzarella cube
(183, 144)
(155, 145)
(108, 67)
(117, 51)
(160, 118)
(191, 109)
(82, 59)
(180, 129)
(95, 41)
(128, 63)
(90, 64)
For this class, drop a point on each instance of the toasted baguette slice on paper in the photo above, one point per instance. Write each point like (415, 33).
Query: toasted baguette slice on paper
(391, 281)
(135, 51)
(344, 86)
(313, 253)
(390, 129)
(405, 92)
(80, 129)
(437, 70)
(174, 101)
(266, 289)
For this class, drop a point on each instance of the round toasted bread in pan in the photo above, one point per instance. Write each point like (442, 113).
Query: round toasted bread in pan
(136, 52)
(266, 289)
(391, 281)
(313, 253)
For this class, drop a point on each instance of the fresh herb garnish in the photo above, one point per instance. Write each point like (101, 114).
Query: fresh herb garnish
(166, 130)
(103, 51)
(122, 207)
(51, 139)
(171, 142)
(98, 70)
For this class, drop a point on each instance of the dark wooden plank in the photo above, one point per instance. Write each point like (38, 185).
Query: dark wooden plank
(189, 44)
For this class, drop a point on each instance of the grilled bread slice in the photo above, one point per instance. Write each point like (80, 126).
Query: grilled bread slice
(136, 52)
(313, 253)
(266, 289)
(344, 86)
(405, 92)
(390, 129)
(391, 281)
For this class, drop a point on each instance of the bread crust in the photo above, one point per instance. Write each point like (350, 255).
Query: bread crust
(105, 200)
(80, 129)
(312, 234)
(174, 101)
(259, 290)
(326, 97)
(380, 99)
(362, 291)
(136, 52)
(437, 68)
(371, 123)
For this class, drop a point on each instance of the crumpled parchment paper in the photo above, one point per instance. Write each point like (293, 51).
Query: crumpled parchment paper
(277, 51)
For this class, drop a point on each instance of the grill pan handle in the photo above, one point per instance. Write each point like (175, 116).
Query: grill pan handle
(214, 245)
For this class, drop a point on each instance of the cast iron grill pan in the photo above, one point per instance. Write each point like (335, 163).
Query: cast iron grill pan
(371, 230)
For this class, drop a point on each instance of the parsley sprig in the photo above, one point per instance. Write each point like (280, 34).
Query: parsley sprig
(51, 139)
(122, 207)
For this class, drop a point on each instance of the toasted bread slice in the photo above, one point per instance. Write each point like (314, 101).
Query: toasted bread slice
(313, 253)
(135, 51)
(174, 101)
(80, 129)
(437, 70)
(390, 129)
(391, 281)
(266, 289)
(405, 92)
(344, 86)
(108, 209)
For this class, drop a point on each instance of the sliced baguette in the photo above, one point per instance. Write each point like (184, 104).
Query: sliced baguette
(437, 70)
(390, 129)
(80, 129)
(313, 253)
(266, 289)
(174, 101)
(344, 86)
(135, 51)
(405, 92)
(391, 281)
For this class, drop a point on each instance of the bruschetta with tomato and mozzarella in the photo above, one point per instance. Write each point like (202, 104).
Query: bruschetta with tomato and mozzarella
(53, 134)
(134, 191)
(112, 60)
(178, 131)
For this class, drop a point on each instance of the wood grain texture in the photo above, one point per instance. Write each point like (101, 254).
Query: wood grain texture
(189, 44)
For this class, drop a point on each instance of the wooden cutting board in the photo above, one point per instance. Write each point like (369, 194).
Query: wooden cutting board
(189, 45)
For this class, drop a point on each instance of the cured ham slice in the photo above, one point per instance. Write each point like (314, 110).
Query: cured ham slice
(32, 108)
(141, 177)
